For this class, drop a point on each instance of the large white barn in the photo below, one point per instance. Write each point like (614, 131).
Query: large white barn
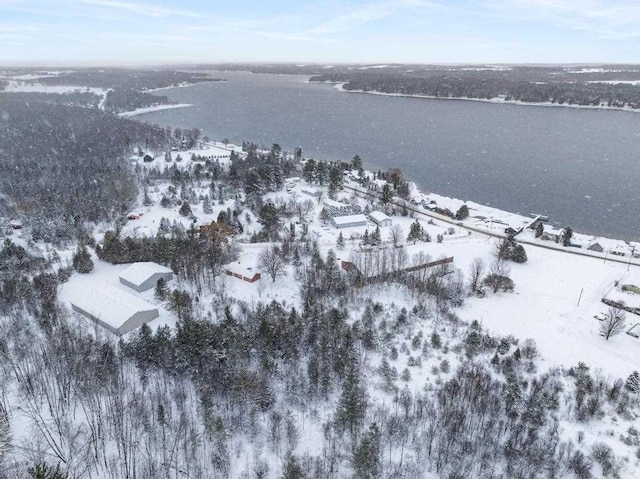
(114, 309)
(349, 221)
(145, 275)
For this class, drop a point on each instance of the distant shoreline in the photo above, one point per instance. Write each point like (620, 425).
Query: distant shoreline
(183, 85)
(340, 87)
(151, 109)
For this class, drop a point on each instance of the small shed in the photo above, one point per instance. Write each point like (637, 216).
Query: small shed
(597, 247)
(552, 234)
(349, 221)
(379, 218)
(148, 158)
(144, 275)
(113, 309)
(243, 272)
(16, 224)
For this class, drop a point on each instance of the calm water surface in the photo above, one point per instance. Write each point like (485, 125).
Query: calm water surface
(579, 166)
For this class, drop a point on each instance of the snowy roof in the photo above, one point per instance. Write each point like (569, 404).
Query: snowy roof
(344, 220)
(242, 269)
(138, 273)
(624, 249)
(378, 216)
(107, 303)
(554, 231)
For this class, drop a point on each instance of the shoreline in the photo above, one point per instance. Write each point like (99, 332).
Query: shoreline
(454, 203)
(151, 109)
(184, 85)
(498, 101)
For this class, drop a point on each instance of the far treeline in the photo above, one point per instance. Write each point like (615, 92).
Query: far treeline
(454, 85)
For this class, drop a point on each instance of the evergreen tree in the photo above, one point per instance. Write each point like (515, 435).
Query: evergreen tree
(566, 236)
(82, 262)
(308, 171)
(375, 237)
(633, 382)
(161, 290)
(340, 243)
(206, 205)
(292, 469)
(185, 209)
(44, 471)
(365, 238)
(269, 217)
(386, 195)
(519, 255)
(322, 172)
(366, 457)
(539, 229)
(335, 182)
(415, 232)
(462, 213)
(352, 405)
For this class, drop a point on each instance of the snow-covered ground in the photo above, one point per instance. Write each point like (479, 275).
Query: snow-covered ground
(150, 109)
(29, 87)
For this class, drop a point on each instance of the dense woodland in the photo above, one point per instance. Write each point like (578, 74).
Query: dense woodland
(481, 86)
(62, 168)
(127, 88)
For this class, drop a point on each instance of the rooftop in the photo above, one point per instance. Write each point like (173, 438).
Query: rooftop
(343, 220)
(109, 304)
(378, 216)
(138, 273)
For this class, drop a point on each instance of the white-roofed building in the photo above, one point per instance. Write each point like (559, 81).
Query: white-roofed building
(145, 275)
(242, 271)
(379, 218)
(552, 234)
(349, 221)
(114, 309)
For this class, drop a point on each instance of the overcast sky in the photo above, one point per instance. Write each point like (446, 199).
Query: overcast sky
(419, 31)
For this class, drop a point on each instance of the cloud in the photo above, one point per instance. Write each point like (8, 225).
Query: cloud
(369, 13)
(606, 19)
(144, 9)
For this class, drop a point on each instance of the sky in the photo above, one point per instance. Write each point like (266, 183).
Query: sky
(132, 32)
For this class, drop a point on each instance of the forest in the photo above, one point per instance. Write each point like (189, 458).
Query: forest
(62, 167)
(127, 89)
(481, 86)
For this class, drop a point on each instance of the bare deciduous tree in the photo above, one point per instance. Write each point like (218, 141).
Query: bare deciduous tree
(271, 262)
(614, 322)
(395, 235)
(475, 274)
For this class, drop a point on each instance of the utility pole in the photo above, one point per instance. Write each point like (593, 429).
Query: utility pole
(580, 297)
(633, 250)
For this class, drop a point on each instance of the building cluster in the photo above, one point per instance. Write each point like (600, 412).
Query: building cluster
(120, 310)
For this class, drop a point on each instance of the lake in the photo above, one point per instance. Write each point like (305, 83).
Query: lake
(578, 166)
